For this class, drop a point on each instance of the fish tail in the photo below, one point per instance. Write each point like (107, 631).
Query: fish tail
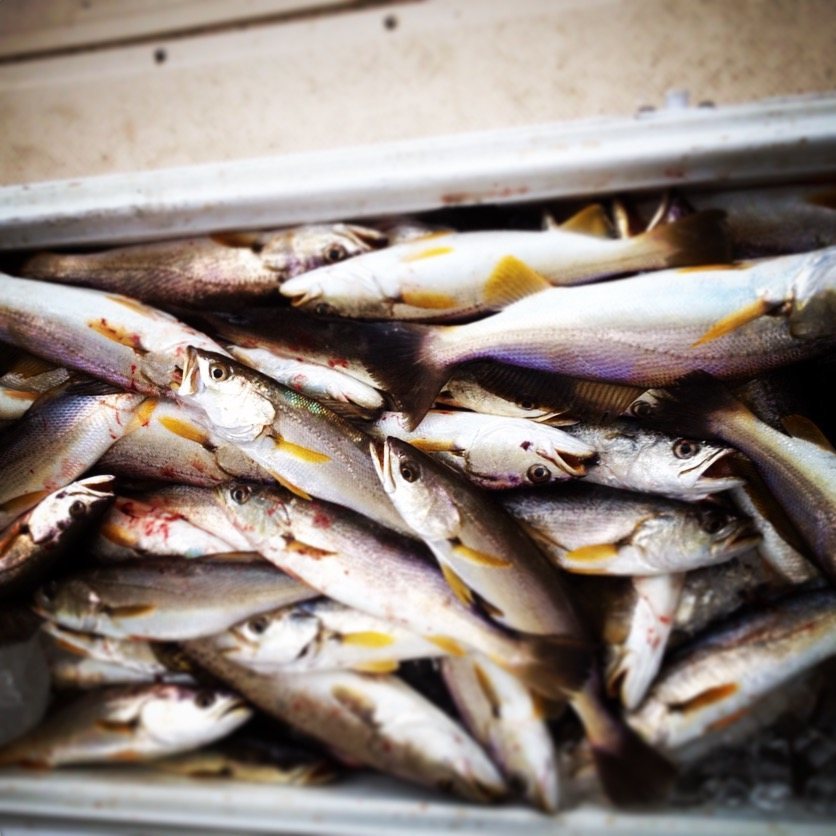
(47, 266)
(701, 238)
(631, 771)
(399, 357)
(551, 666)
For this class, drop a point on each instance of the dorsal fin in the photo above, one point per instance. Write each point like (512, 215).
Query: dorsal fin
(799, 426)
(591, 220)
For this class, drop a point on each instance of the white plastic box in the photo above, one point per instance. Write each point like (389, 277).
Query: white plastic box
(775, 141)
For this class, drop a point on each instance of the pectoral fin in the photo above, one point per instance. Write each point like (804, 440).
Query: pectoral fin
(510, 280)
(737, 319)
(131, 611)
(367, 638)
(591, 220)
(480, 558)
(460, 589)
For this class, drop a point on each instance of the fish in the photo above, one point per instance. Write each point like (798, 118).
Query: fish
(223, 269)
(339, 392)
(492, 451)
(109, 336)
(590, 529)
(173, 446)
(650, 330)
(304, 446)
(457, 275)
(632, 457)
(23, 378)
(321, 635)
(714, 681)
(164, 522)
(166, 600)
(490, 562)
(501, 713)
(125, 725)
(38, 539)
(378, 721)
(59, 439)
(801, 474)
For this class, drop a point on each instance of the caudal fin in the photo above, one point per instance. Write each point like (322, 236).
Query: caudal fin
(631, 771)
(396, 355)
(701, 238)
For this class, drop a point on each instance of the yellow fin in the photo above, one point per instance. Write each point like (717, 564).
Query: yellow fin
(728, 720)
(427, 252)
(428, 299)
(459, 587)
(131, 610)
(185, 429)
(799, 426)
(236, 240)
(591, 220)
(480, 558)
(289, 485)
(511, 280)
(707, 697)
(117, 334)
(304, 454)
(24, 502)
(430, 236)
(132, 304)
(367, 638)
(309, 551)
(592, 554)
(746, 314)
(488, 690)
(450, 646)
(17, 394)
(380, 666)
(356, 702)
(118, 726)
(117, 534)
(433, 445)
(142, 415)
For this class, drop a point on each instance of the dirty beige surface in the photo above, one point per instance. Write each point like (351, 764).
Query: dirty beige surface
(396, 71)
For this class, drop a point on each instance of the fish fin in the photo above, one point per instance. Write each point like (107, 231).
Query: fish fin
(710, 696)
(552, 666)
(825, 198)
(356, 702)
(22, 503)
(486, 687)
(117, 534)
(428, 300)
(396, 355)
(301, 547)
(237, 240)
(23, 364)
(377, 666)
(373, 237)
(435, 445)
(130, 611)
(728, 720)
(118, 726)
(592, 554)
(591, 220)
(305, 454)
(427, 252)
(286, 483)
(736, 319)
(450, 646)
(511, 280)
(480, 558)
(186, 429)
(351, 411)
(367, 638)
(630, 770)
(460, 589)
(799, 426)
(701, 238)
(19, 394)
(548, 222)
(142, 415)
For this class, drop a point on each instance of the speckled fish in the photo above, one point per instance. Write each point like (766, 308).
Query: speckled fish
(502, 715)
(172, 446)
(109, 336)
(591, 529)
(490, 562)
(715, 681)
(228, 268)
(801, 474)
(649, 330)
(321, 635)
(306, 447)
(165, 600)
(455, 275)
(35, 541)
(635, 458)
(347, 557)
(129, 724)
(378, 721)
(492, 451)
(58, 440)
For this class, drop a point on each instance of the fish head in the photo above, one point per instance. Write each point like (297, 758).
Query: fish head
(227, 393)
(515, 453)
(813, 296)
(292, 252)
(258, 512)
(729, 534)
(70, 509)
(72, 603)
(417, 486)
(271, 638)
(180, 716)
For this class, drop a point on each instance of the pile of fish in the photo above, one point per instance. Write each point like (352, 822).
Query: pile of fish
(529, 513)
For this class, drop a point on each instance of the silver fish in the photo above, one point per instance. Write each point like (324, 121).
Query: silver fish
(378, 721)
(129, 724)
(166, 600)
(595, 530)
(228, 268)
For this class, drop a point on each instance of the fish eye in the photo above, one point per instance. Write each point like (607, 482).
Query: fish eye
(204, 699)
(49, 591)
(712, 520)
(77, 509)
(526, 403)
(410, 471)
(334, 253)
(240, 494)
(323, 309)
(684, 448)
(258, 625)
(640, 409)
(538, 473)
(218, 371)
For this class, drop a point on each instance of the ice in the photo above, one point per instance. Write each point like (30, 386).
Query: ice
(24, 687)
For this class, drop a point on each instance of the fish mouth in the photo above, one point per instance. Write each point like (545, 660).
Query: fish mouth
(720, 470)
(300, 293)
(567, 462)
(190, 382)
(743, 537)
(102, 483)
